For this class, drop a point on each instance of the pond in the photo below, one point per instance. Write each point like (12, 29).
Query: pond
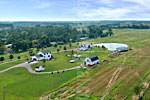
(112, 46)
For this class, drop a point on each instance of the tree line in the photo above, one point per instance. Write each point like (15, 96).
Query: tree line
(24, 38)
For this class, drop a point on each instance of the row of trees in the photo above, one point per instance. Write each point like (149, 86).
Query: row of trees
(10, 57)
(24, 38)
(135, 26)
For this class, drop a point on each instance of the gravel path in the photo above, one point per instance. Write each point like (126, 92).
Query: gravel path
(28, 67)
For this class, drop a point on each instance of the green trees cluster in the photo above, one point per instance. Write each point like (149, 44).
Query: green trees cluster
(24, 38)
(135, 26)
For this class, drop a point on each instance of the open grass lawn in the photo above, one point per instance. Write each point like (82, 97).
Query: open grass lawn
(62, 61)
(6, 56)
(26, 86)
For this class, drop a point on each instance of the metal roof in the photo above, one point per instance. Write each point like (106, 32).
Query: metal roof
(93, 58)
(46, 51)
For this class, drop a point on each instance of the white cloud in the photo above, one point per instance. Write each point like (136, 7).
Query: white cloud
(113, 9)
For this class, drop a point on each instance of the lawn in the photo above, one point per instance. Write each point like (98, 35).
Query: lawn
(62, 61)
(7, 65)
(26, 86)
(22, 84)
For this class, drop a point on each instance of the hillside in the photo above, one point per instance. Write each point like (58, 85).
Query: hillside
(118, 79)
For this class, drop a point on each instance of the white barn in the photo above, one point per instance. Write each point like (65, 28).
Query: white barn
(46, 54)
(90, 61)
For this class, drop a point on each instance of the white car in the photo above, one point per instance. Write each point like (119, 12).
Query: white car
(38, 68)
(77, 56)
(72, 61)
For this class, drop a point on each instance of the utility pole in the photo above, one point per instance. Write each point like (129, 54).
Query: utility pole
(4, 90)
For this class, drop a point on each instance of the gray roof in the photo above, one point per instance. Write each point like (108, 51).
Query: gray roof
(46, 51)
(37, 56)
(93, 58)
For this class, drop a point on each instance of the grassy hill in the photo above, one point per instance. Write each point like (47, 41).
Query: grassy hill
(118, 79)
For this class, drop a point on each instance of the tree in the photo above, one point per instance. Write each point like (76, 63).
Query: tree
(2, 58)
(65, 48)
(72, 52)
(58, 50)
(19, 57)
(110, 32)
(11, 56)
(70, 45)
(44, 61)
(103, 47)
(2, 48)
(55, 45)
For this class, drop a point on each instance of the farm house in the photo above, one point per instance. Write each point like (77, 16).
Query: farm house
(90, 61)
(42, 55)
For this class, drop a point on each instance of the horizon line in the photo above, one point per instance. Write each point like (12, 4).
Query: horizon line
(74, 20)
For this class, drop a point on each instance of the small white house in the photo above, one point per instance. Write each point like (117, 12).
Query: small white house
(122, 49)
(90, 61)
(42, 55)
(85, 46)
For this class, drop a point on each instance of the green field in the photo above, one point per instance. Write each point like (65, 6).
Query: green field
(27, 86)
(7, 65)
(22, 84)
(132, 68)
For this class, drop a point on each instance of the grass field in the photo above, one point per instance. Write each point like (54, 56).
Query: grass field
(7, 65)
(63, 62)
(22, 84)
(117, 79)
(129, 70)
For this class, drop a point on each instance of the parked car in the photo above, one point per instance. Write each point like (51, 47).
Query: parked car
(72, 61)
(38, 68)
(77, 56)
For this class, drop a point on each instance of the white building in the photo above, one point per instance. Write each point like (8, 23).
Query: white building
(90, 61)
(85, 46)
(43, 55)
(122, 49)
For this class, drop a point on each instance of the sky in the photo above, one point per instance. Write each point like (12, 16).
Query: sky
(74, 10)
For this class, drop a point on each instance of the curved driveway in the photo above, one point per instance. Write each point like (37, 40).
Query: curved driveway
(28, 67)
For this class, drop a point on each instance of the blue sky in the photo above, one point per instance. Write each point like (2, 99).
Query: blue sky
(59, 10)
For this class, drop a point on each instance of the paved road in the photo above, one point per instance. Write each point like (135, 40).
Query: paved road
(28, 67)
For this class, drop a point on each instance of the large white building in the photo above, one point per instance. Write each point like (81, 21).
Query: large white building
(90, 61)
(85, 46)
(46, 54)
